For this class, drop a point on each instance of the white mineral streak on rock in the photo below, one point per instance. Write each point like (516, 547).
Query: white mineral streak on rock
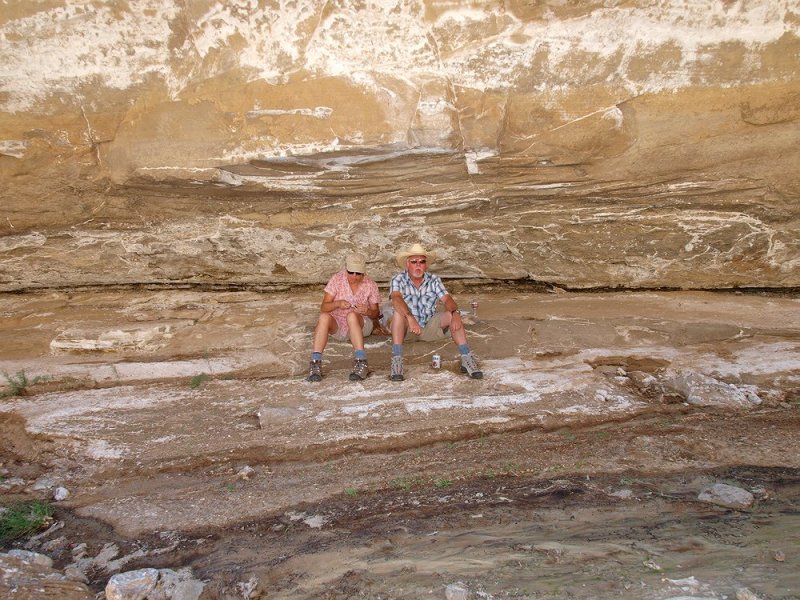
(313, 521)
(473, 157)
(101, 449)
(615, 115)
(13, 242)
(320, 112)
(285, 183)
(13, 148)
(67, 46)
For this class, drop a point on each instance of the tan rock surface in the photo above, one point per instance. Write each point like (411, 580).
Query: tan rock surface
(169, 385)
(631, 144)
(183, 428)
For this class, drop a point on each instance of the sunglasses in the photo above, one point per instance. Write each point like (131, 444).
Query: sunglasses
(418, 261)
(354, 273)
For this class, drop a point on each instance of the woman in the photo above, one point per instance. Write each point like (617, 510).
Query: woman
(348, 307)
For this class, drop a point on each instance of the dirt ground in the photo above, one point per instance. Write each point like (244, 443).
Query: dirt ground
(181, 425)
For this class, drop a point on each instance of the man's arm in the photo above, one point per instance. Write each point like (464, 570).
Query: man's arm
(399, 305)
(453, 320)
(449, 304)
(401, 310)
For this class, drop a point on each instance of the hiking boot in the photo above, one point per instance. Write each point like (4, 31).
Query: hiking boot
(360, 370)
(397, 368)
(315, 370)
(469, 366)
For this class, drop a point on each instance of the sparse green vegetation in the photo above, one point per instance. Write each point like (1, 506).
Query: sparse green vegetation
(568, 435)
(198, 380)
(442, 483)
(20, 520)
(351, 492)
(405, 483)
(18, 384)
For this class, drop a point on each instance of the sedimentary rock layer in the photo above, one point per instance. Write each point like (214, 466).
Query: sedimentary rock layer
(593, 144)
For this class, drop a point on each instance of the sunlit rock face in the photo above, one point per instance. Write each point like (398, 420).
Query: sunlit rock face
(582, 144)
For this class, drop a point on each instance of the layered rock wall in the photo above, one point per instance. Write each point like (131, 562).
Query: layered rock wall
(583, 144)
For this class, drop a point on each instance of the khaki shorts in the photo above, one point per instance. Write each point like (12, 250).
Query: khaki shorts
(430, 333)
(367, 329)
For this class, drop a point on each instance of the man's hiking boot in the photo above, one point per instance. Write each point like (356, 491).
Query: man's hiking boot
(397, 368)
(469, 366)
(360, 370)
(315, 370)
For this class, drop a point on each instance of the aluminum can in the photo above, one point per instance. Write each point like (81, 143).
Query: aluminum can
(474, 305)
(436, 361)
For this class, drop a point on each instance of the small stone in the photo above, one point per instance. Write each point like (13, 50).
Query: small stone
(12, 484)
(40, 485)
(652, 565)
(248, 589)
(246, 472)
(728, 496)
(32, 557)
(133, 584)
(55, 545)
(60, 494)
(74, 573)
(779, 556)
(745, 594)
(456, 591)
(177, 585)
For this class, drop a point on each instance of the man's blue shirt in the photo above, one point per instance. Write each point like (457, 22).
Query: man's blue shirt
(421, 301)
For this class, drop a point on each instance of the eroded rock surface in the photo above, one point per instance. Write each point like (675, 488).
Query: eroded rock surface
(576, 461)
(613, 144)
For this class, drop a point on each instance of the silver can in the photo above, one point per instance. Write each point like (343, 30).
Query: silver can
(474, 305)
(436, 361)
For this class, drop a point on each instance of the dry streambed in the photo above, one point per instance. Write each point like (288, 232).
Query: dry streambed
(182, 428)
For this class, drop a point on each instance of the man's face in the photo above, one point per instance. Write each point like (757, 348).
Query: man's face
(417, 265)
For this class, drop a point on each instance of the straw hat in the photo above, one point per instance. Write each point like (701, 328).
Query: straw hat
(356, 263)
(415, 250)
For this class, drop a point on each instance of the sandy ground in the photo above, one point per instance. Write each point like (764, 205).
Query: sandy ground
(181, 424)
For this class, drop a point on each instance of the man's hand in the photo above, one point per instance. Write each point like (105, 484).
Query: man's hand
(413, 324)
(456, 324)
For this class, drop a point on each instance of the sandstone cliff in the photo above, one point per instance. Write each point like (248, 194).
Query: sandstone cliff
(622, 143)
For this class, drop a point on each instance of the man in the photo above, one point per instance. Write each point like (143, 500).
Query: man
(414, 294)
(349, 305)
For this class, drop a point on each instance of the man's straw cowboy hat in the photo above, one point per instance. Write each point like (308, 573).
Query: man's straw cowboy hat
(415, 250)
